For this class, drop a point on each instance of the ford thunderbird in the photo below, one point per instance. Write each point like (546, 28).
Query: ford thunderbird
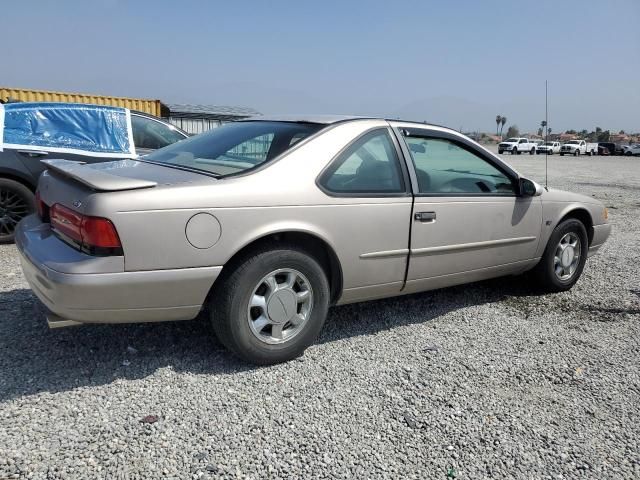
(270, 221)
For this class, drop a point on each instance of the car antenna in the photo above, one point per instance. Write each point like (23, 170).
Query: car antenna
(546, 133)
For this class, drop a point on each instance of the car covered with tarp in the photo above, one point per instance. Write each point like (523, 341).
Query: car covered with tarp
(31, 132)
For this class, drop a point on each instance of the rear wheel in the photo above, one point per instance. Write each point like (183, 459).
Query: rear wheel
(271, 306)
(16, 202)
(564, 257)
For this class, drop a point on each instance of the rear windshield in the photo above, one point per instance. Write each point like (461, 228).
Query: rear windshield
(234, 147)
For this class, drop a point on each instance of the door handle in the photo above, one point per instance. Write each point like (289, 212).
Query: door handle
(33, 153)
(425, 217)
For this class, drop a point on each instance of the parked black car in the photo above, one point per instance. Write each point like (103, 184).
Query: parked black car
(613, 148)
(20, 167)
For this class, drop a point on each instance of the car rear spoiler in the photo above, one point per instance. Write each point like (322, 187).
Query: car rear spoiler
(95, 176)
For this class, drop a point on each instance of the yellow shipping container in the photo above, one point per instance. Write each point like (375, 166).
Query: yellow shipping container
(154, 107)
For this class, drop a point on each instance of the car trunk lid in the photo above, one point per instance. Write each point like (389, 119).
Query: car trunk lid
(120, 174)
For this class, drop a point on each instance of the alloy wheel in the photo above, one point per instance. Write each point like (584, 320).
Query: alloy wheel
(567, 256)
(280, 306)
(13, 208)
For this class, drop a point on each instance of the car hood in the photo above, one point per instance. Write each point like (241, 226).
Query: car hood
(554, 195)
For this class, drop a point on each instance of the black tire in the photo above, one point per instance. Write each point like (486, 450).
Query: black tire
(230, 304)
(514, 151)
(532, 151)
(16, 202)
(500, 152)
(576, 153)
(544, 272)
(628, 153)
(562, 154)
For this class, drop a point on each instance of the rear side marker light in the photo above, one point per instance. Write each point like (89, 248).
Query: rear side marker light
(92, 235)
(41, 208)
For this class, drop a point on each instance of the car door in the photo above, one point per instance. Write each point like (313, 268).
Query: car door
(523, 145)
(468, 220)
(32, 159)
(370, 206)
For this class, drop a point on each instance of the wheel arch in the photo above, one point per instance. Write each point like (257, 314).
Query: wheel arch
(581, 214)
(309, 241)
(12, 175)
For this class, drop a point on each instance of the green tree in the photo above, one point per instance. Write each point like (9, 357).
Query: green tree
(513, 131)
(571, 132)
(498, 120)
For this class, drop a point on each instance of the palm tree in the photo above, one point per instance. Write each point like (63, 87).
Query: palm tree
(498, 120)
(503, 120)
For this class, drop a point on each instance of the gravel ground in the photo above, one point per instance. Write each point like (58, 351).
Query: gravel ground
(479, 381)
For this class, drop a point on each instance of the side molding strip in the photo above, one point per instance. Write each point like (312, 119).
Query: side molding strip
(471, 246)
(386, 253)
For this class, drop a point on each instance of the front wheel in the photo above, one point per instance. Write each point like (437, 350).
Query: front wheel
(16, 202)
(271, 306)
(576, 153)
(564, 257)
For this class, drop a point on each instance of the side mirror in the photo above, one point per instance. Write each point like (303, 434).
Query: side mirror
(529, 188)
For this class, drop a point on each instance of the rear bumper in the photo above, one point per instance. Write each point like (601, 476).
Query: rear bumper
(105, 296)
(600, 235)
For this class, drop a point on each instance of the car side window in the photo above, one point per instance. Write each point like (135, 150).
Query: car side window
(445, 167)
(152, 135)
(370, 165)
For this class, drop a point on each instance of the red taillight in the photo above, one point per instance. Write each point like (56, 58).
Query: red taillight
(99, 232)
(94, 235)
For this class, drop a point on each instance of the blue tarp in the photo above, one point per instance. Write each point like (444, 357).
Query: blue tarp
(67, 127)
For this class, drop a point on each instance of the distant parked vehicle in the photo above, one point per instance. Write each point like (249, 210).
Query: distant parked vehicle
(578, 147)
(604, 151)
(611, 147)
(549, 148)
(631, 149)
(517, 145)
(32, 132)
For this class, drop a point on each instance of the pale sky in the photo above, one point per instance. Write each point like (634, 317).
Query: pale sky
(456, 63)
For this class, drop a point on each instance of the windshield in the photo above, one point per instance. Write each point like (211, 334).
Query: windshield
(234, 147)
(511, 140)
(549, 144)
(573, 142)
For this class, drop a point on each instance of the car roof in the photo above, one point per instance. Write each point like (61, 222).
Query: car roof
(323, 119)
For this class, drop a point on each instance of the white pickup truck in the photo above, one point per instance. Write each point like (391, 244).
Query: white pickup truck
(517, 145)
(549, 148)
(578, 147)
